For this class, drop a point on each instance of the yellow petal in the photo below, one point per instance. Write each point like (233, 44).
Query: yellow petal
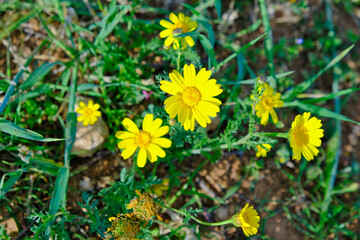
(264, 118)
(274, 116)
(155, 149)
(189, 41)
(162, 142)
(129, 151)
(166, 24)
(126, 143)
(168, 41)
(141, 160)
(130, 125)
(155, 126)
(170, 87)
(161, 132)
(189, 75)
(124, 135)
(173, 18)
(152, 157)
(181, 17)
(165, 33)
(147, 123)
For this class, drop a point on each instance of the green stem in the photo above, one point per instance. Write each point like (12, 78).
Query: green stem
(199, 221)
(178, 60)
(276, 134)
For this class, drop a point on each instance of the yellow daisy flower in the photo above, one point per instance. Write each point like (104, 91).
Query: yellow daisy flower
(266, 104)
(180, 24)
(144, 207)
(88, 114)
(262, 150)
(305, 136)
(247, 219)
(193, 97)
(149, 140)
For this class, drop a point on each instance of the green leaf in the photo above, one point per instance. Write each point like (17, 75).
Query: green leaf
(70, 133)
(218, 8)
(209, 50)
(5, 187)
(232, 56)
(13, 129)
(59, 193)
(37, 75)
(268, 38)
(302, 87)
(46, 165)
(251, 81)
(320, 111)
(331, 96)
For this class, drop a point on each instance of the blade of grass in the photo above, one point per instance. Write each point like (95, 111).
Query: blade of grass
(232, 56)
(268, 38)
(13, 177)
(14, 82)
(331, 96)
(334, 144)
(13, 129)
(209, 50)
(302, 87)
(320, 111)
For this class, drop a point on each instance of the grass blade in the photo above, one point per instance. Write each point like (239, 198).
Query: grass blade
(5, 187)
(331, 96)
(320, 111)
(302, 87)
(209, 50)
(232, 56)
(37, 75)
(268, 38)
(59, 190)
(13, 129)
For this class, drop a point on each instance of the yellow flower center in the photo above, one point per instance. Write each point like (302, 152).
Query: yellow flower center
(143, 139)
(191, 96)
(267, 102)
(88, 111)
(301, 136)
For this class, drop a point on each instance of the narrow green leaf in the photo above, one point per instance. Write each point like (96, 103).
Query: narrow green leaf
(331, 96)
(13, 129)
(268, 38)
(13, 25)
(251, 81)
(59, 193)
(320, 111)
(209, 30)
(209, 50)
(46, 165)
(37, 75)
(218, 8)
(5, 187)
(302, 87)
(70, 133)
(232, 56)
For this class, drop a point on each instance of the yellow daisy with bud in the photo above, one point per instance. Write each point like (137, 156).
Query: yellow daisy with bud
(248, 219)
(179, 24)
(262, 150)
(266, 104)
(149, 140)
(192, 96)
(88, 113)
(304, 136)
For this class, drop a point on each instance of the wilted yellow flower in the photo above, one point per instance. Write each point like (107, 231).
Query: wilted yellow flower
(180, 24)
(159, 188)
(266, 104)
(247, 219)
(149, 140)
(124, 226)
(88, 114)
(144, 207)
(262, 150)
(193, 97)
(305, 136)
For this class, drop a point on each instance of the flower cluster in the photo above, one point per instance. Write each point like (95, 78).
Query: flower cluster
(144, 207)
(88, 113)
